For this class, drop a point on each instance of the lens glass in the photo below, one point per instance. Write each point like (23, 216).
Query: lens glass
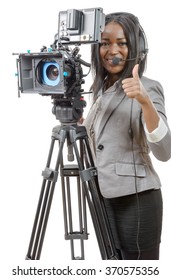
(52, 72)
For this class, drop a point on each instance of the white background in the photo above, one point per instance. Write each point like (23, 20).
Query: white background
(26, 124)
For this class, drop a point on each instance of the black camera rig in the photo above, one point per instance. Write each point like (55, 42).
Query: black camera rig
(57, 71)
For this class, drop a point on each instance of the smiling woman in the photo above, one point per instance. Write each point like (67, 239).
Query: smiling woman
(126, 121)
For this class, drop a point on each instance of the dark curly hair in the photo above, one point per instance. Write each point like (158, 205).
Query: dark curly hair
(137, 48)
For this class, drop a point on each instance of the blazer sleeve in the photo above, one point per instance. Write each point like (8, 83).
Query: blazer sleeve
(162, 149)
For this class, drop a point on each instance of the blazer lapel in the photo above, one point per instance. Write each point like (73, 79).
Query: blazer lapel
(112, 104)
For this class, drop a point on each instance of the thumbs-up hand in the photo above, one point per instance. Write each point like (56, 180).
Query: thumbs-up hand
(133, 87)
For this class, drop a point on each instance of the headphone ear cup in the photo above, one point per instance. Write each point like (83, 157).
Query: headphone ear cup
(143, 48)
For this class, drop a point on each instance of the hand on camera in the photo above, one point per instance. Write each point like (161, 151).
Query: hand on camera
(80, 121)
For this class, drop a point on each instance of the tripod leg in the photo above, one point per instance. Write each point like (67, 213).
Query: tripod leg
(44, 203)
(111, 251)
(96, 206)
(79, 235)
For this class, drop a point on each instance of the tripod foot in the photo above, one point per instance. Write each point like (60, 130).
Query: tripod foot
(27, 258)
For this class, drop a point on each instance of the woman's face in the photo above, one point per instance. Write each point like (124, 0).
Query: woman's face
(113, 44)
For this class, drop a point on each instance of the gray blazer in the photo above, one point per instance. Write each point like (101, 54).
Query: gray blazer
(123, 163)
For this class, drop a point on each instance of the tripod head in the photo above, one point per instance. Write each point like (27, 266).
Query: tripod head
(68, 110)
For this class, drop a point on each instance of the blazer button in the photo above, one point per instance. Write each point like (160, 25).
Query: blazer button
(100, 147)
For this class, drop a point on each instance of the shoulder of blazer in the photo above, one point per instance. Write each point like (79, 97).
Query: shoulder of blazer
(150, 83)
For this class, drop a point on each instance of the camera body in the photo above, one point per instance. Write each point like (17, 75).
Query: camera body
(58, 71)
(48, 73)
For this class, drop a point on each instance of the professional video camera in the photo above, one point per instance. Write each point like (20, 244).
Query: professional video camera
(57, 71)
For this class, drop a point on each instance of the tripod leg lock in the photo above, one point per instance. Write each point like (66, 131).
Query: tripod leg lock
(88, 174)
(50, 174)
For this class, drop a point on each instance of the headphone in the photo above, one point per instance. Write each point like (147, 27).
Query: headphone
(143, 45)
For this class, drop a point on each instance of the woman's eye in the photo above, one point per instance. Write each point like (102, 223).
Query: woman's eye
(122, 44)
(119, 44)
(104, 44)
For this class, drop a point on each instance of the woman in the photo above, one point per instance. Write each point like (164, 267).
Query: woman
(126, 121)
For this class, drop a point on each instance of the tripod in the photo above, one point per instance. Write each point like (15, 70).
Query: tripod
(87, 190)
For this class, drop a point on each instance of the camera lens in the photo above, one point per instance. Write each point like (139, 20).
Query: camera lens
(52, 72)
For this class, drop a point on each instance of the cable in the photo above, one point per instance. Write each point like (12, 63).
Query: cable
(131, 134)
